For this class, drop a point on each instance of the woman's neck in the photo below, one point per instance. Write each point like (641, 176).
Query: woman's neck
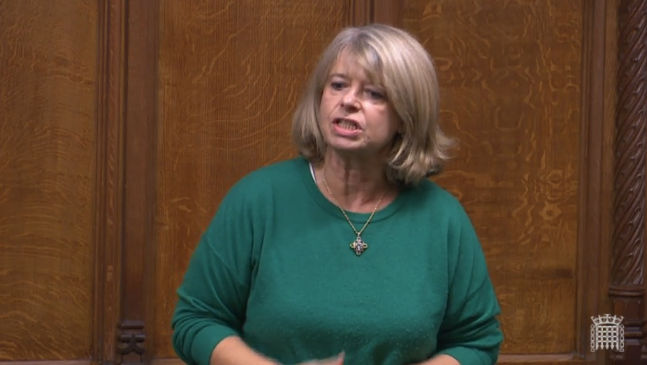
(354, 185)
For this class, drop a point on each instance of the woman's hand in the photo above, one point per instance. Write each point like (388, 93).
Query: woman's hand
(440, 360)
(338, 360)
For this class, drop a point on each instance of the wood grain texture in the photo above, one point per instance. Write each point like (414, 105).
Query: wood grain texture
(627, 271)
(138, 246)
(510, 78)
(360, 12)
(230, 75)
(610, 106)
(47, 178)
(627, 275)
(388, 12)
(596, 173)
(109, 176)
(61, 362)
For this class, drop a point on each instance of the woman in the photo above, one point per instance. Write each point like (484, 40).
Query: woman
(346, 254)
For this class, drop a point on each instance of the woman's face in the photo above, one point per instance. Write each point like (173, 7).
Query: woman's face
(355, 115)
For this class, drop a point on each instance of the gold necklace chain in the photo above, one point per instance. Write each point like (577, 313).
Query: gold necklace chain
(358, 245)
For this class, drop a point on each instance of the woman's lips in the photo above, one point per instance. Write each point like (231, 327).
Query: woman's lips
(346, 127)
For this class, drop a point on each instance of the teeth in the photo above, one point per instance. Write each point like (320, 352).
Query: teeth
(347, 124)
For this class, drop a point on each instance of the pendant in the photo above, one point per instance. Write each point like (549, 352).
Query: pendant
(358, 246)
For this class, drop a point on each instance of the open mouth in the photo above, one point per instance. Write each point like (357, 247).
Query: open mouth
(347, 124)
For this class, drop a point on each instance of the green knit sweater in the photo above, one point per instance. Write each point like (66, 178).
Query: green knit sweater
(275, 268)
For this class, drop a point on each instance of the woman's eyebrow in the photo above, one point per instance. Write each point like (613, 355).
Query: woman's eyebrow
(337, 74)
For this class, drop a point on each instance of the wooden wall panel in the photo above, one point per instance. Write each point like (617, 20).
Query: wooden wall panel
(510, 77)
(596, 169)
(109, 236)
(627, 274)
(122, 125)
(230, 75)
(47, 178)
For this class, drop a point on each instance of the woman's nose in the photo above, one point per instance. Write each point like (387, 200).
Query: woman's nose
(349, 100)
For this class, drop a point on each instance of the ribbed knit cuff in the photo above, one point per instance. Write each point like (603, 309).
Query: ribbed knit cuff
(467, 356)
(206, 340)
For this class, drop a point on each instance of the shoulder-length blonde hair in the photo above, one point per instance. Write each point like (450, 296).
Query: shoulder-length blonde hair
(401, 65)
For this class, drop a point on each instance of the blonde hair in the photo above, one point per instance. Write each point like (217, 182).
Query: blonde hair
(398, 62)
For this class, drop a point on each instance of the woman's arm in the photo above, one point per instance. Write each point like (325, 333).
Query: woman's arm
(214, 292)
(233, 350)
(210, 311)
(440, 360)
(470, 331)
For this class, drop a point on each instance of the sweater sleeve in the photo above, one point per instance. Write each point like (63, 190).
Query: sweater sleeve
(470, 331)
(213, 295)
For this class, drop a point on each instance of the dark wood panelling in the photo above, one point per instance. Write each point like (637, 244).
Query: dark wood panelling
(111, 167)
(510, 76)
(47, 178)
(595, 177)
(388, 12)
(140, 127)
(58, 362)
(360, 12)
(627, 275)
(607, 162)
(230, 75)
(375, 11)
(537, 359)
(109, 175)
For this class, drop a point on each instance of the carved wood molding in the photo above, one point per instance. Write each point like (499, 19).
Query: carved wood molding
(387, 12)
(375, 11)
(138, 243)
(121, 242)
(137, 120)
(593, 186)
(627, 266)
(360, 12)
(109, 178)
(132, 340)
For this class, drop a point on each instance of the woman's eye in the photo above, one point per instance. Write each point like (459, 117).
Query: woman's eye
(375, 94)
(337, 85)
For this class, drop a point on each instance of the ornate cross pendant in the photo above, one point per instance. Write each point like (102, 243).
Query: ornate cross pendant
(358, 246)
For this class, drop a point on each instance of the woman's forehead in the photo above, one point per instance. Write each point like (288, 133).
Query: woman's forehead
(353, 65)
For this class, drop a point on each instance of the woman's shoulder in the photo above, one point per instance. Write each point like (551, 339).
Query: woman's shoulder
(430, 190)
(275, 172)
(439, 200)
(279, 169)
(276, 175)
